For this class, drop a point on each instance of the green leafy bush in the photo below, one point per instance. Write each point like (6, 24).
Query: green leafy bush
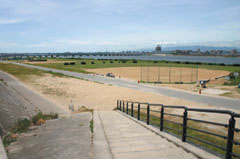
(21, 125)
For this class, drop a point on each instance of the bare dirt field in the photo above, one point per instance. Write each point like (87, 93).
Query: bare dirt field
(92, 95)
(163, 74)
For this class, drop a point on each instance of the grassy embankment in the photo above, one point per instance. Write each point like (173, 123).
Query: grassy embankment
(23, 73)
(92, 64)
(155, 120)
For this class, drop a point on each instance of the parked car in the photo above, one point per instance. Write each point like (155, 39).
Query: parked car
(110, 75)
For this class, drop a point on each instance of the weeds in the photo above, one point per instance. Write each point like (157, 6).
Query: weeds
(91, 125)
(22, 125)
(40, 115)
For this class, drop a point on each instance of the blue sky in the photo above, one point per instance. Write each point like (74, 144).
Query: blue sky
(94, 25)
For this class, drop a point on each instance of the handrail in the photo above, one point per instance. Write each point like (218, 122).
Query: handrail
(124, 106)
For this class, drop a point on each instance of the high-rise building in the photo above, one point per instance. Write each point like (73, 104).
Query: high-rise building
(158, 48)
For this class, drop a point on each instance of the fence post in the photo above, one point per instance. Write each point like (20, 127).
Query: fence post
(162, 118)
(138, 111)
(185, 114)
(132, 110)
(123, 106)
(230, 138)
(127, 107)
(148, 114)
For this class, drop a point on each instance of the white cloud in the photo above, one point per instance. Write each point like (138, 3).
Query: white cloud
(7, 44)
(11, 21)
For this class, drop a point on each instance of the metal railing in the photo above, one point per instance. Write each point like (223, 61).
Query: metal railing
(143, 110)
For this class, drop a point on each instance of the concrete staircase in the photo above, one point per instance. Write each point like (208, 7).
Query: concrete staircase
(129, 140)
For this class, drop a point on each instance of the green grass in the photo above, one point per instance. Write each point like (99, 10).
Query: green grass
(19, 71)
(23, 73)
(21, 126)
(7, 140)
(155, 120)
(128, 63)
(91, 125)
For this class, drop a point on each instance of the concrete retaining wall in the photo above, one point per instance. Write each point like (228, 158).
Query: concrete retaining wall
(3, 154)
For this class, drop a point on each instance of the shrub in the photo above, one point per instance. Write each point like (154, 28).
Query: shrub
(7, 140)
(21, 126)
(111, 61)
(40, 115)
(83, 63)
(72, 63)
(236, 64)
(222, 64)
(92, 62)
(103, 62)
(134, 61)
(123, 61)
(66, 63)
(155, 61)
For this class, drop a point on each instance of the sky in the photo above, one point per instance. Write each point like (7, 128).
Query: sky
(116, 25)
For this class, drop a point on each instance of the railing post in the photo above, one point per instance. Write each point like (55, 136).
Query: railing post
(148, 114)
(127, 107)
(162, 118)
(132, 110)
(117, 105)
(139, 111)
(123, 106)
(120, 106)
(185, 114)
(230, 138)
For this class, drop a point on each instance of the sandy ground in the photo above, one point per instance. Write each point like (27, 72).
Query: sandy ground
(63, 90)
(166, 74)
(214, 87)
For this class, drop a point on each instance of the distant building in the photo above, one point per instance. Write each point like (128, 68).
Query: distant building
(199, 51)
(234, 52)
(158, 48)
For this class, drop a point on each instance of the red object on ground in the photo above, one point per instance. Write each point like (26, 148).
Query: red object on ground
(138, 81)
(200, 91)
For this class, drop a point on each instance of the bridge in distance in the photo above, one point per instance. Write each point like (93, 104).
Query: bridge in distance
(68, 54)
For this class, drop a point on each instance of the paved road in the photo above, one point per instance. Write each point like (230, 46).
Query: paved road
(224, 102)
(65, 138)
(129, 140)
